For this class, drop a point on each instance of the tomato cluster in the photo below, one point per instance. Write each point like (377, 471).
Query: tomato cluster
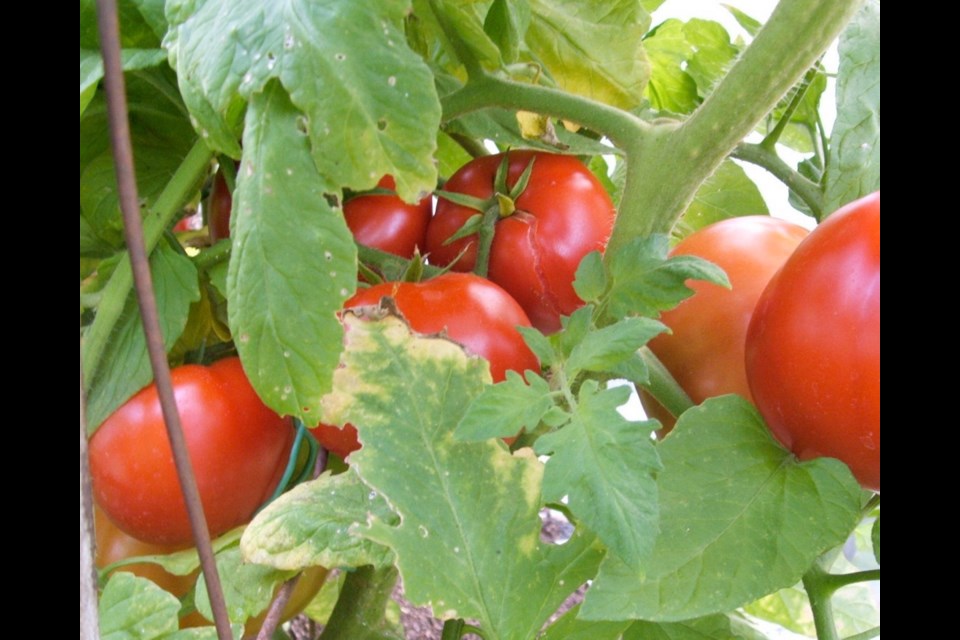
(798, 332)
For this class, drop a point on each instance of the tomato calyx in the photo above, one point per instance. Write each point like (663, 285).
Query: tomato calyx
(501, 204)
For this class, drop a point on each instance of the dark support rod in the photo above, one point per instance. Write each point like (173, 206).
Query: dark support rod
(108, 24)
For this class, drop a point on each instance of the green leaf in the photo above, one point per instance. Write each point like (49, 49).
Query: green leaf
(203, 633)
(788, 608)
(644, 281)
(247, 588)
(590, 281)
(292, 266)
(506, 23)
(322, 605)
(570, 627)
(126, 365)
(91, 68)
(185, 562)
(602, 349)
(854, 160)
(360, 612)
(749, 24)
(606, 466)
(500, 126)
(133, 608)
(592, 49)
(450, 155)
(727, 193)
(314, 524)
(463, 32)
(875, 539)
(712, 53)
(739, 518)
(467, 510)
(576, 326)
(503, 409)
(142, 24)
(366, 98)
(539, 344)
(670, 87)
(687, 59)
(161, 135)
(731, 626)
(633, 368)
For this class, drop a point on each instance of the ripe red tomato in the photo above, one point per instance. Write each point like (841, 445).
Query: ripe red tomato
(471, 311)
(705, 350)
(813, 347)
(238, 447)
(563, 214)
(388, 223)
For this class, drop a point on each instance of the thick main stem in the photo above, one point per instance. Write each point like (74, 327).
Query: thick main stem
(181, 186)
(662, 180)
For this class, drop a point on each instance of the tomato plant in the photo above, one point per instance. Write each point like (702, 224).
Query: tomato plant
(386, 222)
(466, 308)
(239, 449)
(561, 214)
(670, 115)
(813, 348)
(705, 349)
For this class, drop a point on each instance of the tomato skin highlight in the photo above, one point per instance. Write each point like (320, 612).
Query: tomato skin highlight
(813, 346)
(470, 310)
(388, 223)
(705, 351)
(238, 448)
(563, 214)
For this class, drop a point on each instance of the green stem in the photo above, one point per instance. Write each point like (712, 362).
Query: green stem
(471, 146)
(622, 128)
(662, 385)
(872, 504)
(819, 592)
(770, 141)
(865, 635)
(806, 189)
(213, 256)
(835, 581)
(179, 189)
(663, 179)
(454, 629)
(485, 240)
(362, 602)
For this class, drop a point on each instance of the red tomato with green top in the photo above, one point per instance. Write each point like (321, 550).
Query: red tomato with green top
(813, 346)
(238, 448)
(469, 309)
(563, 214)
